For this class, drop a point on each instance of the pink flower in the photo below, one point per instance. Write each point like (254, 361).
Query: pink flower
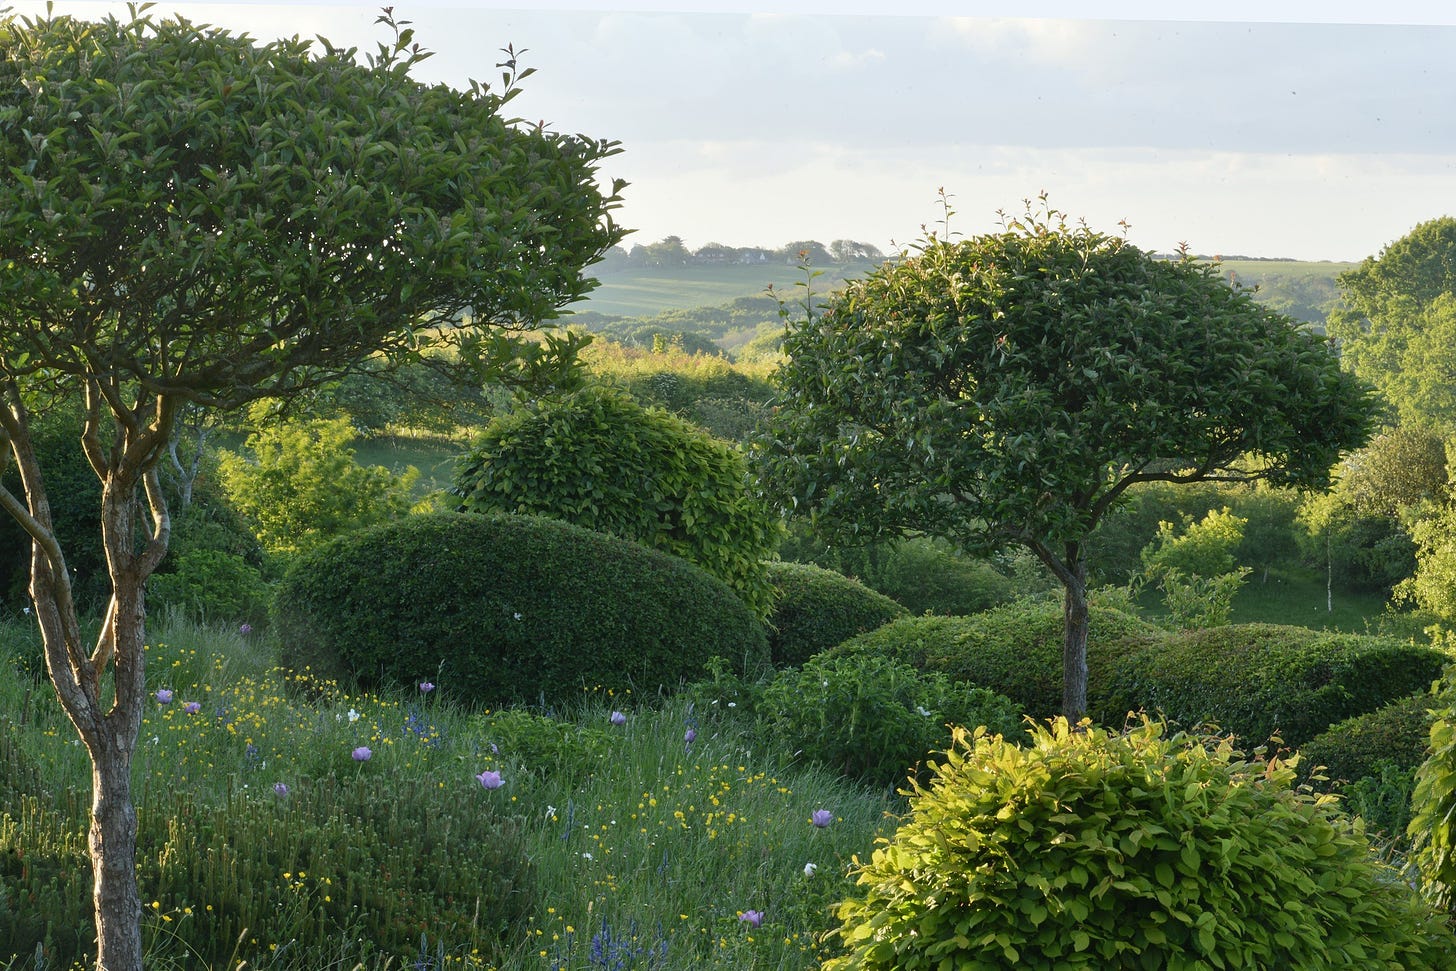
(753, 918)
(426, 687)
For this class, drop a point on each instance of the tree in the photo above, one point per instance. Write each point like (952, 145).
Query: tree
(1398, 320)
(192, 218)
(303, 487)
(1008, 389)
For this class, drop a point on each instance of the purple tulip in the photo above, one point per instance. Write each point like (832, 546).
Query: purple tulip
(618, 718)
(426, 687)
(164, 696)
(821, 817)
(363, 754)
(490, 780)
(245, 629)
(192, 707)
(690, 736)
(280, 789)
(753, 918)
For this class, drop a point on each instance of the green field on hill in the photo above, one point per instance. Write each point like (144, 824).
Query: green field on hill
(1304, 290)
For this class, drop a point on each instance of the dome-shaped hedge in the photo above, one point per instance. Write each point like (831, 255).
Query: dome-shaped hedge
(1014, 650)
(1396, 734)
(817, 609)
(499, 609)
(1255, 680)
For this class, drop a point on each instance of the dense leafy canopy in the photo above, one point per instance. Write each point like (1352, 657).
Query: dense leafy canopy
(1397, 327)
(1009, 388)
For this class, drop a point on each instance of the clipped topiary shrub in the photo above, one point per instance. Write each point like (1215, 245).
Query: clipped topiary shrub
(929, 576)
(596, 458)
(816, 609)
(872, 718)
(507, 609)
(1014, 650)
(1395, 734)
(1092, 851)
(1256, 680)
(211, 585)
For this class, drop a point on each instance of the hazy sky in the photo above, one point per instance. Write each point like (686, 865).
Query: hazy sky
(760, 122)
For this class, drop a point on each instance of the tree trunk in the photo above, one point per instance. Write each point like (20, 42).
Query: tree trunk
(117, 900)
(1074, 643)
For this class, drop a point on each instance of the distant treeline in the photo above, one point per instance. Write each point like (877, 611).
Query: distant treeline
(673, 252)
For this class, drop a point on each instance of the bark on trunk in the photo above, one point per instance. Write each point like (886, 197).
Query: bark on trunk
(1074, 644)
(117, 899)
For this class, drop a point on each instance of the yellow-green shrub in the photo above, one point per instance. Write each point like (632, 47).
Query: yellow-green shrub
(1092, 851)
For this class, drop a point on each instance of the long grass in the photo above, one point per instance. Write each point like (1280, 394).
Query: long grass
(636, 848)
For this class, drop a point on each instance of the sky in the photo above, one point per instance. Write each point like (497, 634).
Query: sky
(753, 123)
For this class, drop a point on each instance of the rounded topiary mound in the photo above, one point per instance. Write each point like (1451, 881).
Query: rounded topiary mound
(1092, 851)
(501, 609)
(1258, 680)
(1396, 734)
(1014, 650)
(817, 609)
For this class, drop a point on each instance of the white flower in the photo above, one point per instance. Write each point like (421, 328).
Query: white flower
(810, 869)
(516, 615)
(920, 710)
(586, 856)
(732, 704)
(353, 715)
(550, 812)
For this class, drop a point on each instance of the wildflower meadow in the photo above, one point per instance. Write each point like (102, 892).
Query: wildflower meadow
(289, 823)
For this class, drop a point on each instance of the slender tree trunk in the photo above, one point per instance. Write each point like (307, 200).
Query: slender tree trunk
(1074, 643)
(117, 899)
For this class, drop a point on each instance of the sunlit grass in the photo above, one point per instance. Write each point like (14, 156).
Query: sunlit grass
(639, 847)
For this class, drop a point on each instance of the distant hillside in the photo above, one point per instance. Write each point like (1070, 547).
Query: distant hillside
(705, 306)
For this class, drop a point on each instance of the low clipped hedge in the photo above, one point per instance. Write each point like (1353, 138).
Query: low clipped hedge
(501, 609)
(816, 609)
(1014, 650)
(1396, 734)
(1103, 851)
(1258, 680)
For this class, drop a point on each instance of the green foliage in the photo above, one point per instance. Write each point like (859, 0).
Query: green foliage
(303, 487)
(816, 609)
(333, 860)
(1353, 749)
(1259, 680)
(213, 585)
(75, 505)
(508, 608)
(1398, 321)
(598, 459)
(1007, 389)
(1432, 586)
(1204, 548)
(1197, 602)
(1014, 650)
(1433, 823)
(872, 718)
(921, 573)
(1089, 850)
(1383, 800)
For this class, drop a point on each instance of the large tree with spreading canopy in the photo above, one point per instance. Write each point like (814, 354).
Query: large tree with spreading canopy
(1010, 388)
(190, 218)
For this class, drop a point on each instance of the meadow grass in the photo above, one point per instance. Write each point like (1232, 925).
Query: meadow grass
(619, 843)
